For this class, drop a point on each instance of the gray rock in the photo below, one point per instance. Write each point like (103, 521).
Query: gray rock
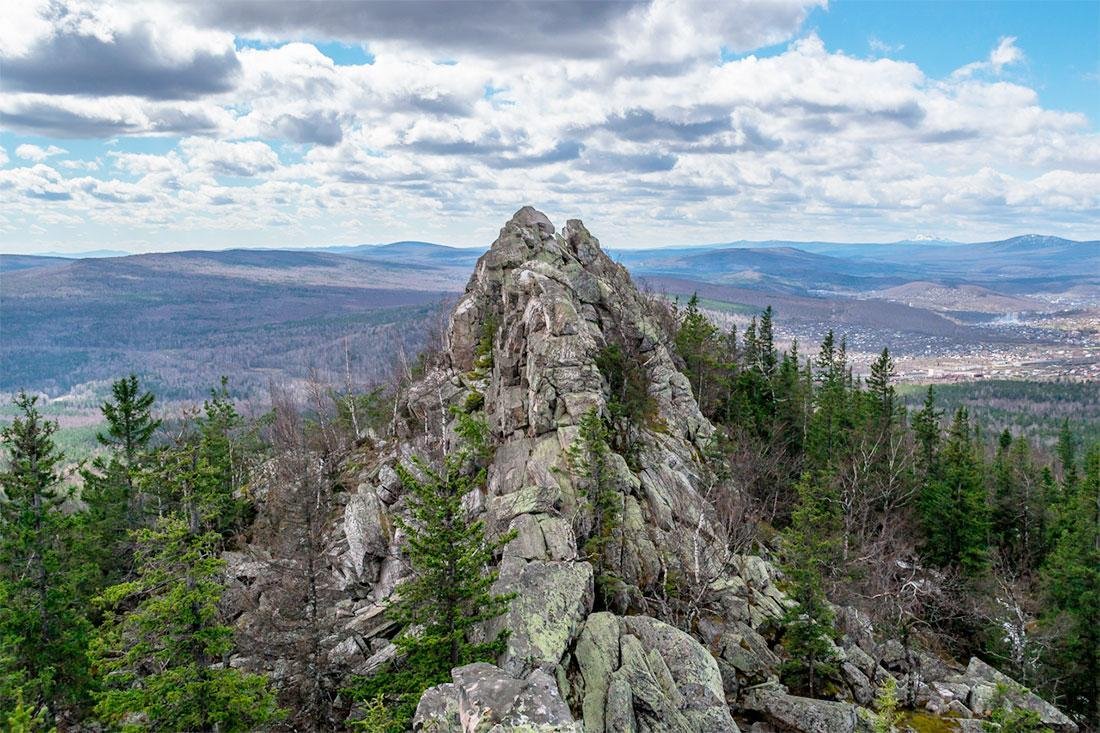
(483, 697)
(366, 530)
(552, 600)
(984, 681)
(670, 681)
(803, 714)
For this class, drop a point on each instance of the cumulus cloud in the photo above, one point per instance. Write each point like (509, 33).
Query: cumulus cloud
(97, 49)
(107, 117)
(625, 112)
(38, 153)
(1005, 54)
(243, 159)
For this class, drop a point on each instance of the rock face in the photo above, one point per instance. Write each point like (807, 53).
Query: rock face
(549, 303)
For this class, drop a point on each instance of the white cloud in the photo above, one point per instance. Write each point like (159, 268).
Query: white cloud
(37, 153)
(1007, 53)
(636, 124)
(243, 159)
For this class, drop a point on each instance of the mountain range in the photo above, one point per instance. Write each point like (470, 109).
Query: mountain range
(186, 317)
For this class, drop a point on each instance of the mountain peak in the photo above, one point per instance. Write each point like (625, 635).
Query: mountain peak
(529, 216)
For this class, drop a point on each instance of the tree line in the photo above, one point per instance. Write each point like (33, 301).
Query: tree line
(981, 543)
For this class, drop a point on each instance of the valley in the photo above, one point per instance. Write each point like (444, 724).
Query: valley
(947, 312)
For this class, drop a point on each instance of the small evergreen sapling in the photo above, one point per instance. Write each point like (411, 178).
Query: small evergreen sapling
(43, 628)
(450, 592)
(809, 548)
(163, 650)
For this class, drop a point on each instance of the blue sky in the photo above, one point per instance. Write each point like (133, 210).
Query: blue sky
(1061, 38)
(163, 125)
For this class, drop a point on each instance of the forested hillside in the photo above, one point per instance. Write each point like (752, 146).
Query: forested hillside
(587, 505)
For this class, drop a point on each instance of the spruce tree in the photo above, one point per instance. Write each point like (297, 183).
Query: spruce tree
(163, 651)
(589, 459)
(110, 485)
(1072, 581)
(1067, 456)
(880, 386)
(43, 629)
(809, 550)
(926, 428)
(953, 504)
(450, 592)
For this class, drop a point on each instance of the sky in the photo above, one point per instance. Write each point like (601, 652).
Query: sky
(156, 126)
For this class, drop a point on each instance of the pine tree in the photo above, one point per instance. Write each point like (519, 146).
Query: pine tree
(450, 591)
(880, 387)
(589, 459)
(163, 650)
(953, 506)
(1072, 580)
(1067, 456)
(110, 490)
(43, 629)
(809, 550)
(926, 427)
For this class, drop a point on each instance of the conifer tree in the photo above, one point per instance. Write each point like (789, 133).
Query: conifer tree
(953, 506)
(588, 457)
(698, 344)
(450, 590)
(110, 488)
(768, 358)
(809, 550)
(1072, 579)
(1067, 456)
(163, 650)
(43, 629)
(880, 386)
(829, 432)
(926, 428)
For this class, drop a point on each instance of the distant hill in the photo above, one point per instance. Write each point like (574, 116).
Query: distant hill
(412, 252)
(11, 263)
(185, 318)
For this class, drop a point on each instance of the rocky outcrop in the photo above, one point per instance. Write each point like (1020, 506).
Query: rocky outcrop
(483, 698)
(640, 674)
(522, 346)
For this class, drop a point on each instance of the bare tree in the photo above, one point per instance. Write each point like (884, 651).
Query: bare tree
(290, 616)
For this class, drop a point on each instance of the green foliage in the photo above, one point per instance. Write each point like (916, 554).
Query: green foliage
(43, 628)
(130, 424)
(162, 648)
(377, 716)
(23, 719)
(589, 460)
(449, 593)
(953, 506)
(483, 352)
(1071, 578)
(474, 401)
(972, 501)
(1008, 718)
(114, 506)
(809, 550)
(628, 400)
(358, 412)
(885, 717)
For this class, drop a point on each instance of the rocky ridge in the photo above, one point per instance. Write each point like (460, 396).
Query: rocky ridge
(686, 642)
